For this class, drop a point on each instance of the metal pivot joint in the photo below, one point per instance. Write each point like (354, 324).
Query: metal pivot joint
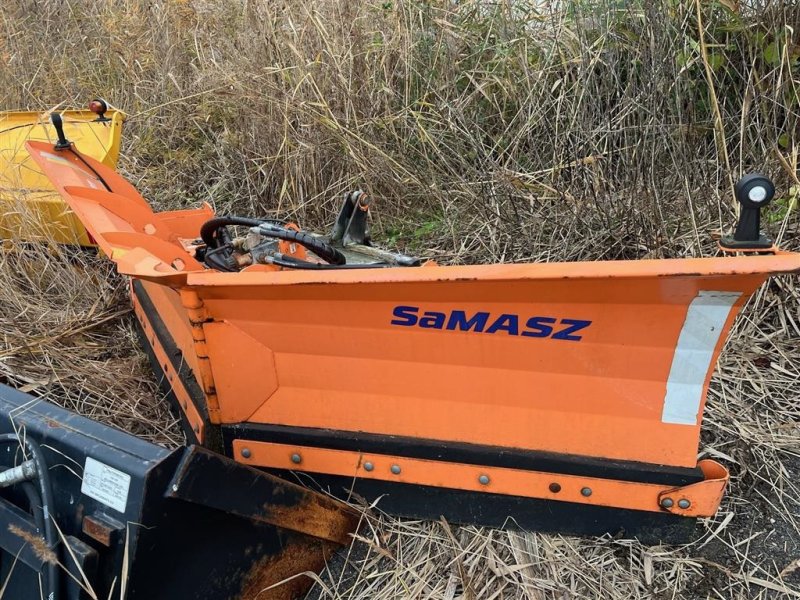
(351, 225)
(753, 191)
(351, 233)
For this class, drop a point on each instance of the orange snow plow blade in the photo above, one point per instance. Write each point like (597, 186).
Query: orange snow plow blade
(560, 396)
(30, 209)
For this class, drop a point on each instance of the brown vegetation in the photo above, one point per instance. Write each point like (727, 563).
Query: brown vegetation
(488, 132)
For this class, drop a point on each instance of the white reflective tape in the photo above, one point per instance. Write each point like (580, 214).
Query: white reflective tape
(699, 335)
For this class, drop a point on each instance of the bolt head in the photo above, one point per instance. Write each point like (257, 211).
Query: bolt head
(667, 503)
(296, 458)
(396, 469)
(483, 480)
(368, 466)
(586, 492)
(684, 503)
(555, 487)
(246, 452)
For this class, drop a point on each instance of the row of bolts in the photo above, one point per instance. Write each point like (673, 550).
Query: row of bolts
(484, 480)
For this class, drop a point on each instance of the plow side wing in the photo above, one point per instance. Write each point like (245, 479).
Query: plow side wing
(124, 226)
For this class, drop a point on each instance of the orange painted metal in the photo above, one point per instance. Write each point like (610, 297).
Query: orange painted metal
(342, 365)
(174, 316)
(198, 317)
(703, 497)
(242, 368)
(173, 377)
(329, 349)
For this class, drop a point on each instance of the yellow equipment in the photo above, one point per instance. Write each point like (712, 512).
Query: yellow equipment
(30, 208)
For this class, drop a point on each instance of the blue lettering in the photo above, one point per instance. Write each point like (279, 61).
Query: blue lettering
(539, 327)
(573, 326)
(432, 320)
(407, 315)
(458, 319)
(505, 322)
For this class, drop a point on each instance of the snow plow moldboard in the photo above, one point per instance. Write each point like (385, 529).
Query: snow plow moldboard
(562, 396)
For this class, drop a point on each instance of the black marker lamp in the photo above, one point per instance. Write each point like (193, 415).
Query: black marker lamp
(753, 191)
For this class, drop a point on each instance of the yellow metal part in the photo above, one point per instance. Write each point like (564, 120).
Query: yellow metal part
(30, 208)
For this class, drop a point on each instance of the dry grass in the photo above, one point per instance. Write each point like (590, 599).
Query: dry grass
(489, 132)
(67, 336)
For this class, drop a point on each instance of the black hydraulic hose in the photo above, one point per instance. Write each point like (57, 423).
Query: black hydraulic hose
(209, 228)
(270, 228)
(292, 263)
(317, 245)
(224, 262)
(35, 502)
(46, 492)
(92, 169)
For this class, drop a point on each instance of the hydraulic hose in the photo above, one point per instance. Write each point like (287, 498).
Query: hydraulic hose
(46, 493)
(209, 228)
(318, 246)
(270, 228)
(35, 502)
(289, 262)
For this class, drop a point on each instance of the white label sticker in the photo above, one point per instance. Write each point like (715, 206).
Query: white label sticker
(105, 484)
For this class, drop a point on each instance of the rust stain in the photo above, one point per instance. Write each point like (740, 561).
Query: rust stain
(298, 556)
(97, 530)
(317, 516)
